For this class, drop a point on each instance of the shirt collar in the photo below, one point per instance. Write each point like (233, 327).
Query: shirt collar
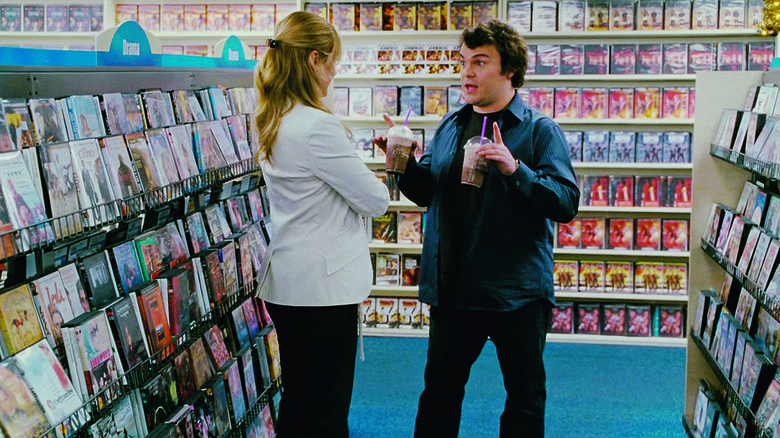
(517, 107)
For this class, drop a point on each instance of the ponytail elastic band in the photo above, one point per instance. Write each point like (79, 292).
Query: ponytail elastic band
(272, 43)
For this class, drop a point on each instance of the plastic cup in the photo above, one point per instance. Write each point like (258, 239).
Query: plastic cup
(399, 146)
(474, 166)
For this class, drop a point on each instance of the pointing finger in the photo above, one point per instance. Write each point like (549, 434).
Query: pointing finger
(497, 134)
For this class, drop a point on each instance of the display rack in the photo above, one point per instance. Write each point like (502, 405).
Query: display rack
(714, 181)
(134, 378)
(86, 40)
(422, 38)
(156, 206)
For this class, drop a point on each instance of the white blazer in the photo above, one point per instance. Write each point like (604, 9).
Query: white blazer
(319, 189)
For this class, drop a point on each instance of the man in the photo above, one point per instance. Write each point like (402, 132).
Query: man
(487, 259)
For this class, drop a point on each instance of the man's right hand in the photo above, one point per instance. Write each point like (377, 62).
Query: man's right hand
(381, 140)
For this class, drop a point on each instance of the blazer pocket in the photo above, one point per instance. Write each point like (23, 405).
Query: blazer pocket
(342, 256)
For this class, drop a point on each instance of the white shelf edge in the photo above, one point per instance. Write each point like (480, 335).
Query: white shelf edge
(645, 33)
(396, 247)
(630, 166)
(393, 289)
(398, 205)
(529, 79)
(633, 122)
(411, 291)
(608, 296)
(530, 36)
(598, 122)
(245, 36)
(396, 332)
(610, 78)
(652, 341)
(47, 34)
(398, 77)
(663, 210)
(372, 35)
(58, 40)
(621, 253)
(397, 119)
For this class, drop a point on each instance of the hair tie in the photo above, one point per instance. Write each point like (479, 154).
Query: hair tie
(272, 43)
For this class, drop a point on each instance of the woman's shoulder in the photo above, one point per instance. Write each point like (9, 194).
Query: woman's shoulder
(311, 114)
(303, 122)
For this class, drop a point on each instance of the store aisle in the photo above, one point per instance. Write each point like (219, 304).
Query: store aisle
(593, 391)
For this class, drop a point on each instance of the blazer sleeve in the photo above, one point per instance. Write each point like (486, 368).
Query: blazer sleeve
(337, 163)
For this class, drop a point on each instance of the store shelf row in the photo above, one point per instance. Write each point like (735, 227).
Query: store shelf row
(155, 204)
(411, 292)
(552, 337)
(435, 120)
(728, 394)
(417, 249)
(423, 35)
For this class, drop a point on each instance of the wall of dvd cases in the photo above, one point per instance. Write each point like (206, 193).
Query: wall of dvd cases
(133, 228)
(732, 386)
(193, 27)
(189, 28)
(625, 99)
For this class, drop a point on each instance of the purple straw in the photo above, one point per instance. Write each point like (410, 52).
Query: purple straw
(409, 113)
(482, 136)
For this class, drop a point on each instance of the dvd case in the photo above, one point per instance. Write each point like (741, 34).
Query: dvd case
(571, 17)
(596, 59)
(548, 59)
(622, 146)
(704, 14)
(623, 60)
(572, 59)
(649, 58)
(519, 15)
(621, 15)
(544, 16)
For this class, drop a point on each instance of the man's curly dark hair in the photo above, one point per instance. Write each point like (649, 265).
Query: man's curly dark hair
(510, 45)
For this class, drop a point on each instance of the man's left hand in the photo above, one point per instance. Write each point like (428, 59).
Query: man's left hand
(498, 153)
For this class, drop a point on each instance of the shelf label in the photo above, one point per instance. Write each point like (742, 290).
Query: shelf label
(127, 44)
(231, 53)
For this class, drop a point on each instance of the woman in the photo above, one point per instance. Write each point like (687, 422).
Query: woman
(317, 268)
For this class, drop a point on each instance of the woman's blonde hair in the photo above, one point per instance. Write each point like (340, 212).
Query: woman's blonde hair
(285, 77)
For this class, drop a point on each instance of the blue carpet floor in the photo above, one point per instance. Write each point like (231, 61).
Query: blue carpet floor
(593, 391)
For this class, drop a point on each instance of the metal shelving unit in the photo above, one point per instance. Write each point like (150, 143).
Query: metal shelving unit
(155, 205)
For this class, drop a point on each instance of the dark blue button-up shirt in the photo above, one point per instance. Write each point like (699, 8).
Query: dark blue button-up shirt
(506, 253)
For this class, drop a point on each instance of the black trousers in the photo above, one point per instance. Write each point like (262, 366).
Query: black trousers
(317, 347)
(456, 340)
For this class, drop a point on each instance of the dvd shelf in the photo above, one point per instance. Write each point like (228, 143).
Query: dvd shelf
(427, 60)
(186, 27)
(731, 385)
(371, 44)
(179, 33)
(207, 363)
